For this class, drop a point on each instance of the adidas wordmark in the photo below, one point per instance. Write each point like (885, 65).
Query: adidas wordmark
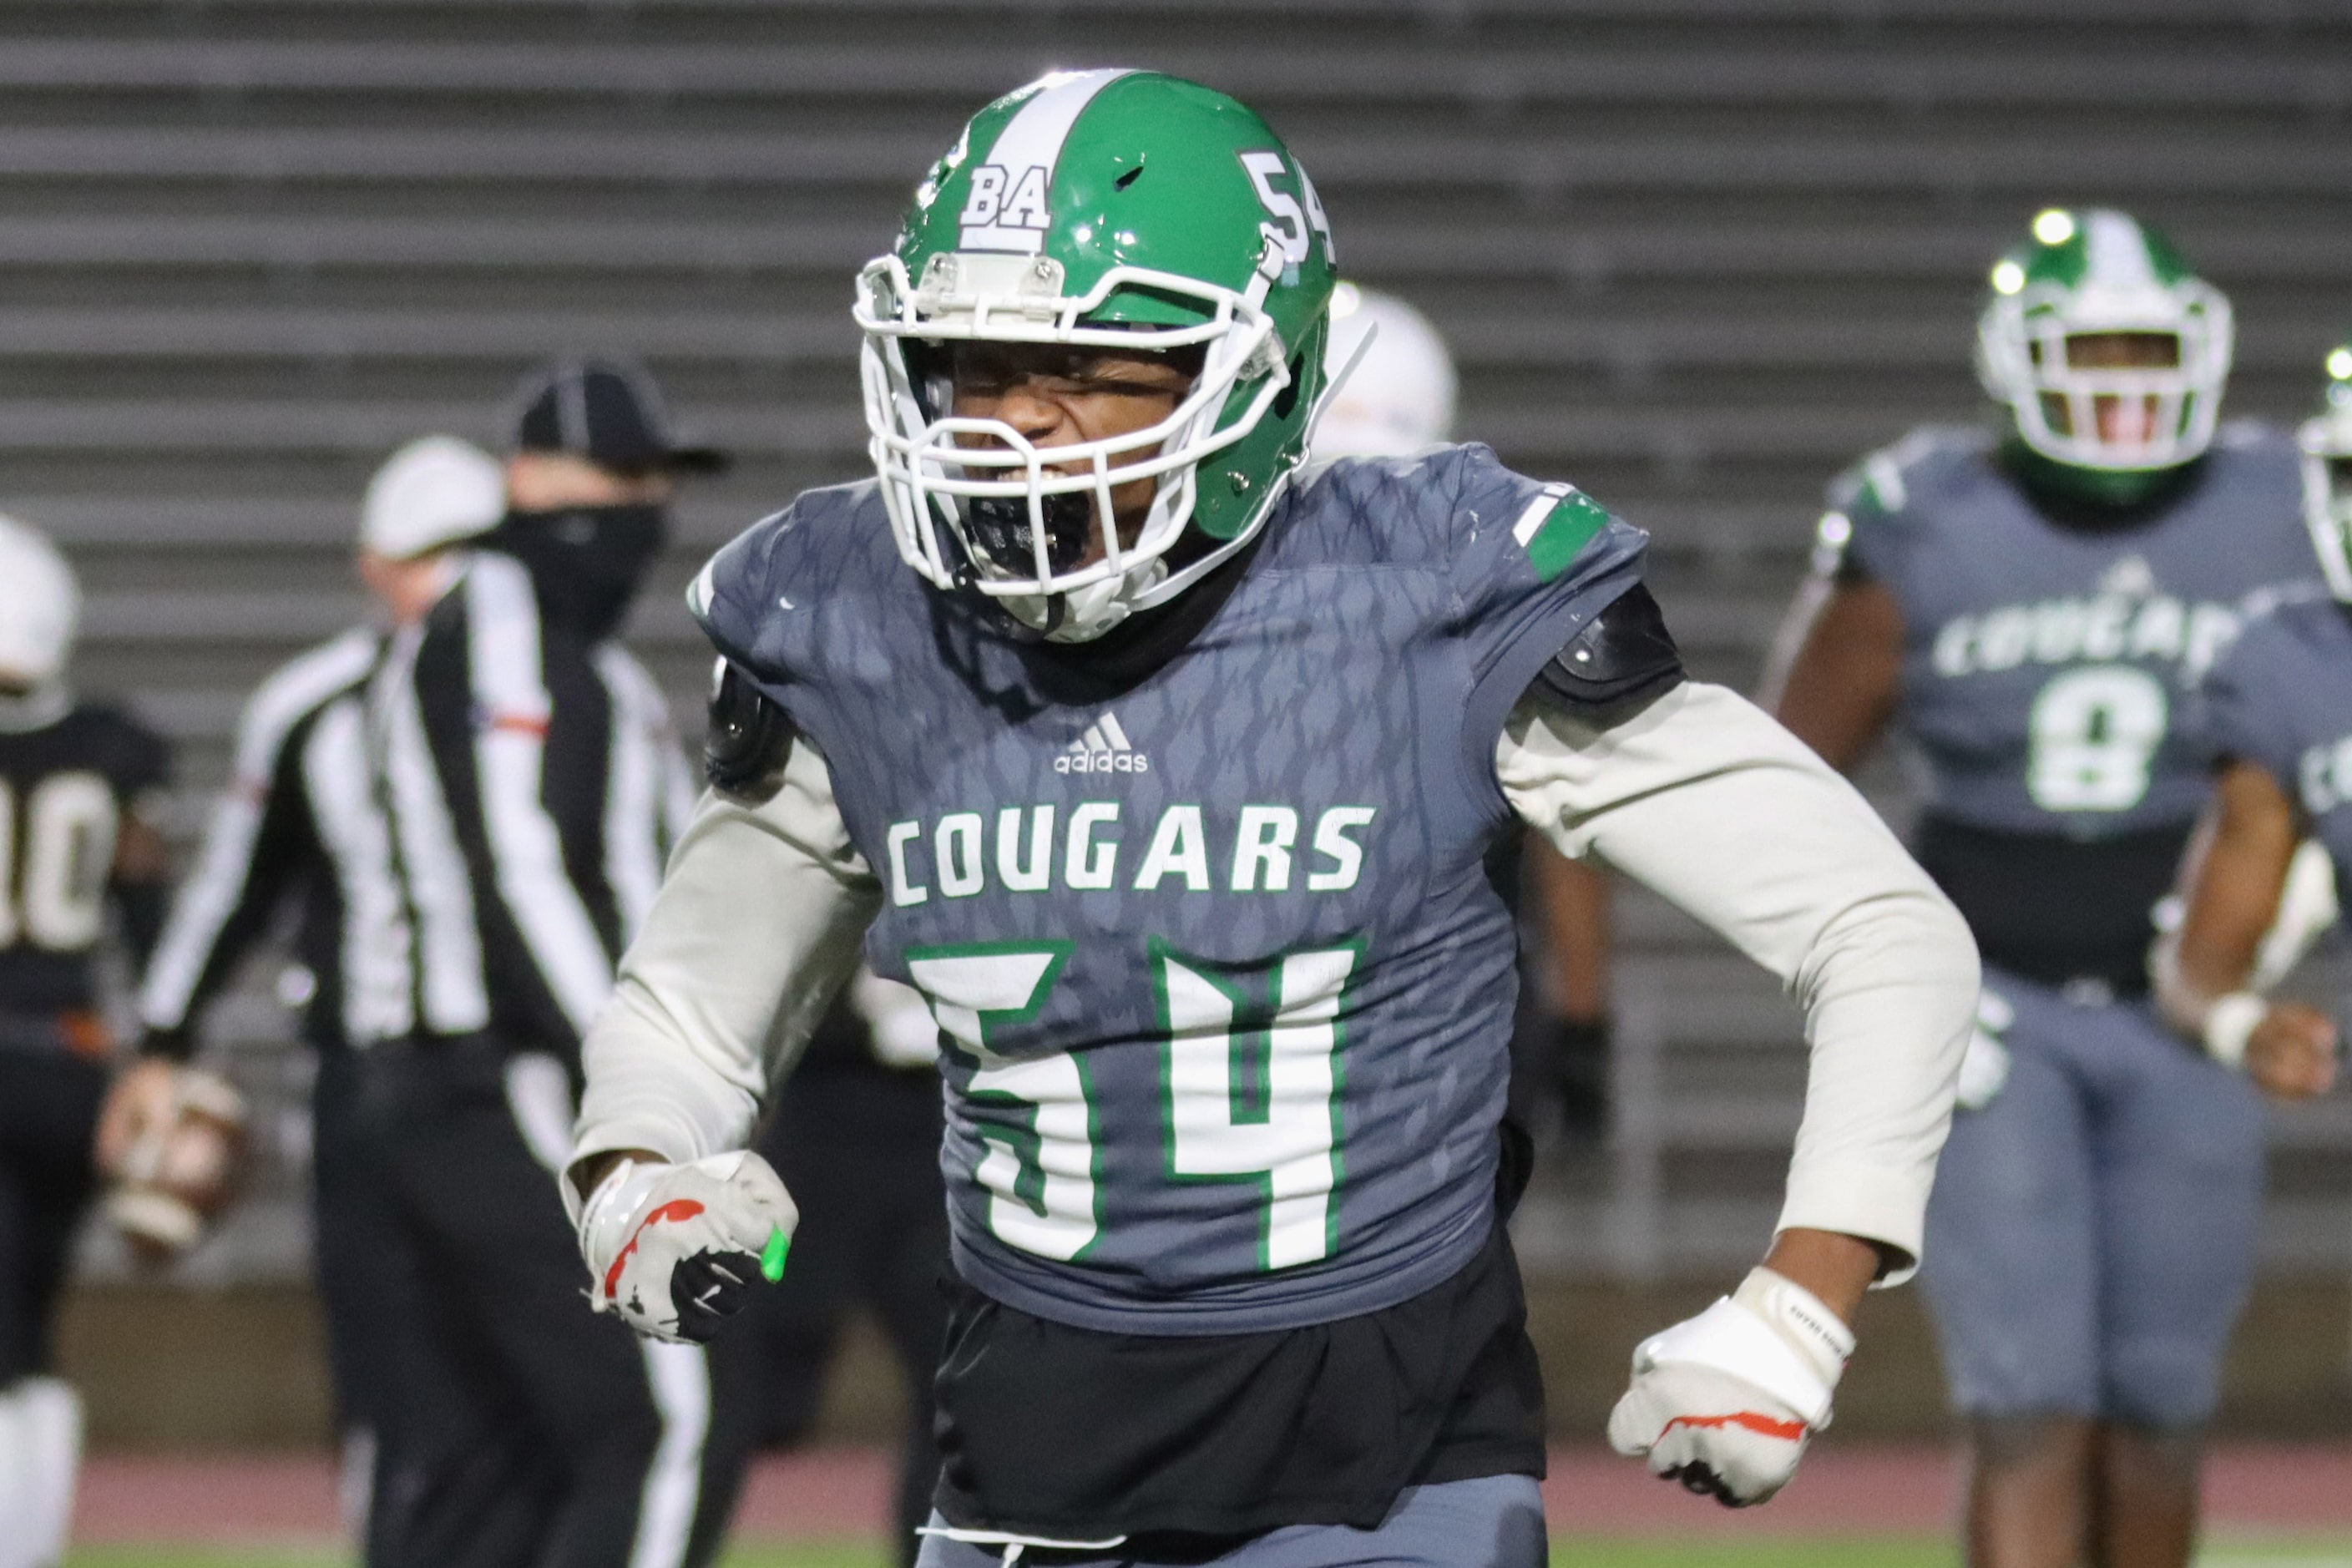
(1103, 749)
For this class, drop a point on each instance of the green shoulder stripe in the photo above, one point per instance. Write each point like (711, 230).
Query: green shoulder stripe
(1556, 528)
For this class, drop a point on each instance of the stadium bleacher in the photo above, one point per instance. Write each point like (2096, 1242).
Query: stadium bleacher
(247, 245)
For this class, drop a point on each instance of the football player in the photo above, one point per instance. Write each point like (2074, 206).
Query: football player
(1393, 394)
(298, 825)
(77, 786)
(2031, 608)
(1172, 781)
(2278, 708)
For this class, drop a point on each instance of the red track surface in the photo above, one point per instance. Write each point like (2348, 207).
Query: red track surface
(845, 1492)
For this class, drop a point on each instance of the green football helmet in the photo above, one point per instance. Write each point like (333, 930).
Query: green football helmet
(2326, 442)
(1101, 208)
(2101, 274)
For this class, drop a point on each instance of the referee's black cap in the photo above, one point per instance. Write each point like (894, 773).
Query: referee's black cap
(609, 412)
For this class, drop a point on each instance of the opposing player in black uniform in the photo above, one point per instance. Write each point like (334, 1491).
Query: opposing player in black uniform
(299, 826)
(74, 845)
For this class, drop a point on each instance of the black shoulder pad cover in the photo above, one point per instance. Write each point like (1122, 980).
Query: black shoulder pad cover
(748, 741)
(1624, 655)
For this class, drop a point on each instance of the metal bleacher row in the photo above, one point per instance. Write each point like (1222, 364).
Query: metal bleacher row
(1694, 254)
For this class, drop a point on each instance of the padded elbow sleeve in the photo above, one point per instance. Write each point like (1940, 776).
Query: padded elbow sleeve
(748, 739)
(1622, 657)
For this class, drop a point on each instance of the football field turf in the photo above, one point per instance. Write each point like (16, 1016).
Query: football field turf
(1777, 1552)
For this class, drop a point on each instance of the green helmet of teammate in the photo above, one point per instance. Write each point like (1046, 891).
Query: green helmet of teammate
(1113, 209)
(2109, 352)
(2326, 442)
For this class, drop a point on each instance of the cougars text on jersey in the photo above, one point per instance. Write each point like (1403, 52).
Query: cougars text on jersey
(1225, 1027)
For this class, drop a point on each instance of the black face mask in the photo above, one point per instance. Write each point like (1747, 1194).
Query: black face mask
(585, 561)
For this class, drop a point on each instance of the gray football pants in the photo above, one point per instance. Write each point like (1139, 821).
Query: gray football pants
(1495, 1521)
(2091, 1238)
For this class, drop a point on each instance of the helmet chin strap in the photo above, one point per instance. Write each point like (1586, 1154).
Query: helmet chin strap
(1085, 613)
(1095, 609)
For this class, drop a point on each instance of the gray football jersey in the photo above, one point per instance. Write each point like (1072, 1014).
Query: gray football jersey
(2047, 669)
(2281, 697)
(1223, 982)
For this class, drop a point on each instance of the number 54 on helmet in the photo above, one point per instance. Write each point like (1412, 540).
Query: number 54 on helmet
(1111, 209)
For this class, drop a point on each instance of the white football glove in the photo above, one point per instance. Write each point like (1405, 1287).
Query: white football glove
(1726, 1402)
(674, 1249)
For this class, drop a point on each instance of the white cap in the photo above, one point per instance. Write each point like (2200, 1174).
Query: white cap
(1400, 398)
(39, 606)
(432, 492)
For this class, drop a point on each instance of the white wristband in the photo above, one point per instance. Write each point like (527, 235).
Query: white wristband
(1801, 1317)
(2228, 1022)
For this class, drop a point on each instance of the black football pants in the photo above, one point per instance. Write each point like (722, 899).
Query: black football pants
(859, 1151)
(519, 1430)
(48, 1114)
(369, 1296)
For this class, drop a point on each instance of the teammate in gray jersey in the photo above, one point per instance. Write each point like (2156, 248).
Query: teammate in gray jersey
(2032, 612)
(1171, 780)
(2278, 710)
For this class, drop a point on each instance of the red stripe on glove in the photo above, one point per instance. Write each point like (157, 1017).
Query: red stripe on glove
(1763, 1426)
(676, 1209)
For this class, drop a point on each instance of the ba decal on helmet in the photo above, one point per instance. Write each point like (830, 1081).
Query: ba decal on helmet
(40, 607)
(2099, 274)
(2326, 441)
(1112, 209)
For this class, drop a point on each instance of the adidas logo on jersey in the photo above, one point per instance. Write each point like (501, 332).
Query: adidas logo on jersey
(1103, 749)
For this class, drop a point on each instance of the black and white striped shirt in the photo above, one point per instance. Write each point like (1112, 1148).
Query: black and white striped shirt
(298, 822)
(533, 785)
(473, 813)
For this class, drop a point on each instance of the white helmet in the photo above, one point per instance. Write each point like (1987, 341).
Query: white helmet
(432, 492)
(2101, 273)
(2326, 442)
(1400, 397)
(39, 608)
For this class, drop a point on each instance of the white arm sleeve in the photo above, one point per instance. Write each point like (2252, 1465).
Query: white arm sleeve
(1706, 800)
(755, 928)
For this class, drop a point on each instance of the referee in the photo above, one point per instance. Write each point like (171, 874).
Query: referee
(299, 827)
(533, 784)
